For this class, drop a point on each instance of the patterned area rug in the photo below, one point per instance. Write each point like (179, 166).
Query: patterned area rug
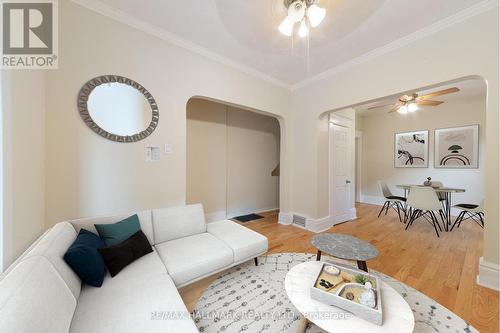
(250, 298)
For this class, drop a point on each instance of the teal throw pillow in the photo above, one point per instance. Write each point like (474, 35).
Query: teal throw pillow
(113, 234)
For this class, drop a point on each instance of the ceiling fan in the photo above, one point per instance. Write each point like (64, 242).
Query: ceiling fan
(410, 102)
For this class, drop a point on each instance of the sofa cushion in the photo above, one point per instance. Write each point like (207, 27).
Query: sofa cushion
(34, 298)
(115, 233)
(84, 259)
(131, 306)
(53, 246)
(142, 268)
(177, 222)
(144, 220)
(119, 256)
(193, 257)
(244, 242)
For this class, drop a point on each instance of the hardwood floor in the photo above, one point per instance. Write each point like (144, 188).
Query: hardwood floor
(445, 269)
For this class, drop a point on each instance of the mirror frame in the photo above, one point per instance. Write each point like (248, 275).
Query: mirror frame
(83, 97)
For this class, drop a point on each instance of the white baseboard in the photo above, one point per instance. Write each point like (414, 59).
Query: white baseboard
(319, 225)
(351, 215)
(285, 218)
(489, 275)
(316, 225)
(371, 199)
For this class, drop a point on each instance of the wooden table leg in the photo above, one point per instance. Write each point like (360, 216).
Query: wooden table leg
(362, 265)
(318, 256)
(303, 323)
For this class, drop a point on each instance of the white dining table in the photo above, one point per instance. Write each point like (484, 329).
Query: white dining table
(446, 192)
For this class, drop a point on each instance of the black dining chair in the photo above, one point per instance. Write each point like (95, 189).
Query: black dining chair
(392, 201)
(470, 211)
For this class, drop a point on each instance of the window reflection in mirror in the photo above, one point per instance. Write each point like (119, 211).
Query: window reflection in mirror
(119, 109)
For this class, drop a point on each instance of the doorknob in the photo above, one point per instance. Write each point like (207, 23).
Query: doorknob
(347, 181)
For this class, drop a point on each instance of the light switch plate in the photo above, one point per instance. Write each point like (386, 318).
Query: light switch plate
(152, 153)
(169, 148)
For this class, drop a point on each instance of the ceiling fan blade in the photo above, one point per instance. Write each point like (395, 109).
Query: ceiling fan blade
(379, 106)
(438, 93)
(429, 102)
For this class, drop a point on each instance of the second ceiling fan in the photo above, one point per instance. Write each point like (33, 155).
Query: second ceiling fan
(410, 102)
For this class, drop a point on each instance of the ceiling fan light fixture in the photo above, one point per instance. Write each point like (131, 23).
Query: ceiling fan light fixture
(412, 107)
(403, 109)
(286, 27)
(315, 14)
(296, 11)
(305, 12)
(303, 30)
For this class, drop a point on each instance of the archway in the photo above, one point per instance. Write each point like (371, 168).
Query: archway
(233, 158)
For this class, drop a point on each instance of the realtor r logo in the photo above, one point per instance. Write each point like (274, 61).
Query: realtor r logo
(29, 39)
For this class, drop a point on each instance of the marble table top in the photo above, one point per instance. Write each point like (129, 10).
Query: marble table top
(344, 246)
(397, 314)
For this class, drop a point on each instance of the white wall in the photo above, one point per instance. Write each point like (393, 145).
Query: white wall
(89, 175)
(252, 154)
(230, 156)
(467, 48)
(206, 173)
(378, 149)
(23, 164)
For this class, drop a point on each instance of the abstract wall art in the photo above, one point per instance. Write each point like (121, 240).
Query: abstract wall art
(457, 147)
(411, 149)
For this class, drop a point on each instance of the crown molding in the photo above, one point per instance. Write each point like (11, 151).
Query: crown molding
(461, 16)
(117, 15)
(120, 16)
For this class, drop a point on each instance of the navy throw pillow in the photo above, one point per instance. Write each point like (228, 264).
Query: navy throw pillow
(114, 234)
(84, 258)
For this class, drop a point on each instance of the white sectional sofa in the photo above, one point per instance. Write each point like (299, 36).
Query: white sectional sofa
(40, 293)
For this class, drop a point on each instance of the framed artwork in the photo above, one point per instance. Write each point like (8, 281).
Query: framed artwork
(457, 147)
(411, 149)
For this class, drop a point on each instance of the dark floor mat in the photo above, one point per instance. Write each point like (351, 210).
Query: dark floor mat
(248, 218)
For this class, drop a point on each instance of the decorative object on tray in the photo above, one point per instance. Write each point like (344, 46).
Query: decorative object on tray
(352, 290)
(368, 296)
(332, 270)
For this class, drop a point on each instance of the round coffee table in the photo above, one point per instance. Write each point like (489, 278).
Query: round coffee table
(397, 314)
(345, 247)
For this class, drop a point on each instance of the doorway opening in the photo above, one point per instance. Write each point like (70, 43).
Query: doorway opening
(233, 160)
(443, 115)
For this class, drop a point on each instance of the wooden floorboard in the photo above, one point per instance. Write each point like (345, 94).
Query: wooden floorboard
(444, 269)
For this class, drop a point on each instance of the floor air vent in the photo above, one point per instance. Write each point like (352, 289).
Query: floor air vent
(299, 220)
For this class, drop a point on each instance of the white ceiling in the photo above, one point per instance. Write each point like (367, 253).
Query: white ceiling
(245, 31)
(468, 89)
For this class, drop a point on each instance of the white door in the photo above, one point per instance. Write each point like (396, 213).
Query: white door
(341, 160)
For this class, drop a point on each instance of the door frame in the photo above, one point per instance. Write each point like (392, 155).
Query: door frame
(336, 119)
(358, 143)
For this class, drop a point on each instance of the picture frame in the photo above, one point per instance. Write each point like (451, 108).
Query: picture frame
(411, 149)
(456, 147)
